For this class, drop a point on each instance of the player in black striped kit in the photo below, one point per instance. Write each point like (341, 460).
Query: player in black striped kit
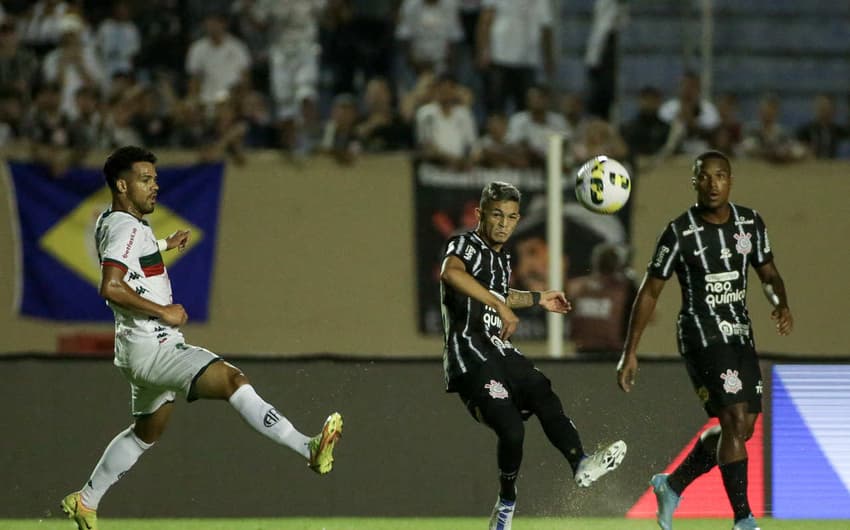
(499, 386)
(710, 247)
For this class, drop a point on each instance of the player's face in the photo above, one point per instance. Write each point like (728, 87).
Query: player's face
(141, 188)
(497, 221)
(713, 183)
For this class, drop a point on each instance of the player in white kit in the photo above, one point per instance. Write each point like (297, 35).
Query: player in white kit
(150, 349)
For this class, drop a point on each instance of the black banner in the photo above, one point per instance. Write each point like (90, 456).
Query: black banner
(445, 205)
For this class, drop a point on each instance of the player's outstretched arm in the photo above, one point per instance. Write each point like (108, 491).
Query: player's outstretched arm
(115, 289)
(647, 297)
(554, 301)
(454, 274)
(774, 289)
(178, 240)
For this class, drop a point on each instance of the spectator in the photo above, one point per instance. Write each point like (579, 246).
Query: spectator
(41, 27)
(822, 135)
(768, 139)
(496, 151)
(49, 132)
(381, 129)
(530, 129)
(162, 37)
(118, 129)
(18, 66)
(728, 135)
(609, 17)
(73, 64)
(118, 40)
(646, 133)
(692, 117)
(151, 119)
(12, 115)
(85, 131)
(445, 129)
(601, 304)
(189, 130)
(226, 135)
(340, 137)
(341, 47)
(293, 65)
(429, 32)
(514, 41)
(255, 111)
(421, 94)
(572, 108)
(217, 63)
(256, 38)
(598, 137)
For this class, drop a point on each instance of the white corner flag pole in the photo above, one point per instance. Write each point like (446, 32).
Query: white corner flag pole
(554, 238)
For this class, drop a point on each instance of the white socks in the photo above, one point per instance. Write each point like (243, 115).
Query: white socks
(119, 456)
(266, 420)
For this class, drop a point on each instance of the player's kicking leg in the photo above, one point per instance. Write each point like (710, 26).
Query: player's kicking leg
(562, 433)
(222, 380)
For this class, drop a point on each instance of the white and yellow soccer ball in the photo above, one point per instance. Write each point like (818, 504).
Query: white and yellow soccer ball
(603, 185)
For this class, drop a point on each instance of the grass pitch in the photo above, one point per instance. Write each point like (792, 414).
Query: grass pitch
(446, 523)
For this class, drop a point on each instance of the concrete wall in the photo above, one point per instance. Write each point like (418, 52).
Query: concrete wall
(407, 446)
(317, 258)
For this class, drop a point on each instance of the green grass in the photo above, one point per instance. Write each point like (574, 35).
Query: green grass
(447, 523)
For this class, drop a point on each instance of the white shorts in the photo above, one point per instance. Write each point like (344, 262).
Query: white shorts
(294, 78)
(157, 376)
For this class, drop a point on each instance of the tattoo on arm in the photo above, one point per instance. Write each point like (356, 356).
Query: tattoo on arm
(517, 299)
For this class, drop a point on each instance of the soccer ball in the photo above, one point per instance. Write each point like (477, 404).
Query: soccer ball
(603, 185)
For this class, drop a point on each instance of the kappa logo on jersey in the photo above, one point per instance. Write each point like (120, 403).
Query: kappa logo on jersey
(731, 383)
(663, 250)
(469, 252)
(744, 245)
(496, 389)
(725, 253)
(271, 417)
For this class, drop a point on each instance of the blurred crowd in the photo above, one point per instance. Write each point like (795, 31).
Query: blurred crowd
(458, 82)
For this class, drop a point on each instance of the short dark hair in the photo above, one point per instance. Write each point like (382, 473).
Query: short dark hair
(699, 160)
(121, 160)
(498, 192)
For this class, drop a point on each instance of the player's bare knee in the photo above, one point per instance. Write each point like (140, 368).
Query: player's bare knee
(234, 379)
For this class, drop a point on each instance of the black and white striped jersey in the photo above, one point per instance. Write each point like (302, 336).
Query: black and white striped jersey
(711, 263)
(471, 329)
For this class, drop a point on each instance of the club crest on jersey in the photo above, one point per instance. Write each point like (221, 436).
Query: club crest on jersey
(496, 389)
(731, 382)
(744, 245)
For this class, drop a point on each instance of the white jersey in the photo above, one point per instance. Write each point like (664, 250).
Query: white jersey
(128, 243)
(294, 23)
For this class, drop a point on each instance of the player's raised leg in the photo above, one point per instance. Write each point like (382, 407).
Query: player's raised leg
(562, 433)
(120, 455)
(222, 380)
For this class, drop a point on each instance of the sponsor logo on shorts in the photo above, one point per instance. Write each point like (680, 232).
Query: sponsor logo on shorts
(731, 382)
(729, 328)
(496, 389)
(744, 246)
(271, 417)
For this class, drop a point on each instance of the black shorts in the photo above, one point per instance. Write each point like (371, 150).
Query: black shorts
(510, 379)
(724, 375)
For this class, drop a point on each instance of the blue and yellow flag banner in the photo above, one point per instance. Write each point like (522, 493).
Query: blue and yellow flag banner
(59, 273)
